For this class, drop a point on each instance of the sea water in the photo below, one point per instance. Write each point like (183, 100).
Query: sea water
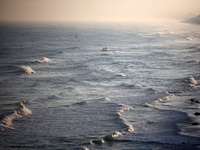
(59, 90)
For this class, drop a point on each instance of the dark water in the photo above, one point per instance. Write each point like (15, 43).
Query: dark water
(59, 90)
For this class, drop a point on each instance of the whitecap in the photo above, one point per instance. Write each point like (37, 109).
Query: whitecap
(26, 69)
(137, 85)
(43, 60)
(130, 127)
(165, 97)
(98, 142)
(6, 122)
(120, 75)
(126, 127)
(147, 105)
(191, 81)
(104, 99)
(111, 137)
(189, 38)
(124, 108)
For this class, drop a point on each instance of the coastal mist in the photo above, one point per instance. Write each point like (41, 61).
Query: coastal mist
(82, 86)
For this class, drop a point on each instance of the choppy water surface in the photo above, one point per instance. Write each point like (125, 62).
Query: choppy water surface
(59, 90)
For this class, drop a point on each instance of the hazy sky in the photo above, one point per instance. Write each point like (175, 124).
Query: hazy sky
(97, 10)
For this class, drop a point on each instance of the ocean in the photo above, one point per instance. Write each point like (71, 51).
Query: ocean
(99, 86)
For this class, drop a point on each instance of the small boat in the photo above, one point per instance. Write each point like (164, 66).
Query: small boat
(105, 49)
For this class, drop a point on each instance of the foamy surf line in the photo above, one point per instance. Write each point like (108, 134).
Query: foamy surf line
(117, 111)
(113, 136)
(165, 96)
(190, 125)
(20, 111)
(190, 81)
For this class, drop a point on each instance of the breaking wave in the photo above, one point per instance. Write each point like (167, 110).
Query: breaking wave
(188, 84)
(161, 97)
(116, 111)
(167, 96)
(26, 69)
(127, 128)
(120, 75)
(20, 111)
(191, 81)
(43, 60)
(189, 38)
(137, 85)
(148, 105)
(105, 99)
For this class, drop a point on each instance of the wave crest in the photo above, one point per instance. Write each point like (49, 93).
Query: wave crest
(120, 75)
(192, 82)
(111, 137)
(128, 127)
(105, 99)
(26, 69)
(6, 122)
(43, 60)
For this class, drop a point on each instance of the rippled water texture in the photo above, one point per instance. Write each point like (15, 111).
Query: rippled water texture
(99, 86)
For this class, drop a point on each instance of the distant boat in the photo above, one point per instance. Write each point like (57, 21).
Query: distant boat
(76, 36)
(105, 49)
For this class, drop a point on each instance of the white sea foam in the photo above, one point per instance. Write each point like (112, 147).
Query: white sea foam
(189, 38)
(26, 69)
(192, 82)
(6, 122)
(167, 96)
(43, 60)
(100, 141)
(111, 137)
(104, 99)
(148, 105)
(124, 108)
(137, 85)
(130, 128)
(163, 96)
(115, 135)
(120, 75)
